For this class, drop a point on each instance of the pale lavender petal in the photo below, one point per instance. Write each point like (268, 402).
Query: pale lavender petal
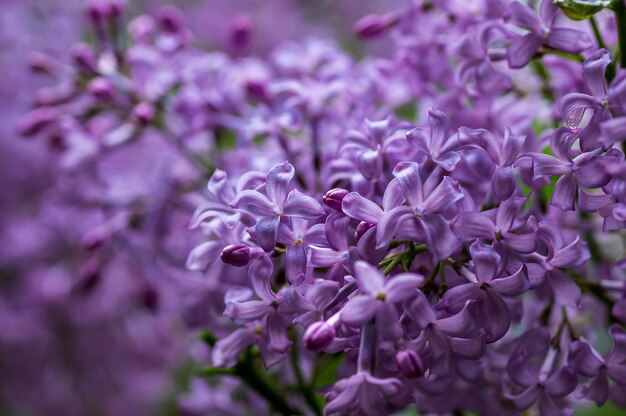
(220, 187)
(370, 164)
(546, 165)
(565, 291)
(420, 310)
(418, 137)
(277, 182)
(393, 196)
(402, 286)
(440, 238)
(260, 275)
(455, 298)
(471, 349)
(486, 261)
(497, 317)
(407, 174)
(277, 332)
(574, 254)
(522, 243)
(568, 40)
(360, 208)
(522, 50)
(472, 225)
(523, 16)
(561, 383)
(455, 325)
(248, 311)
(594, 68)
(296, 260)
(227, 350)
(358, 310)
(336, 231)
(389, 223)
(589, 202)
(321, 257)
(303, 206)
(512, 285)
(444, 195)
(255, 203)
(576, 109)
(321, 293)
(581, 358)
(564, 193)
(503, 182)
(204, 254)
(267, 232)
(370, 279)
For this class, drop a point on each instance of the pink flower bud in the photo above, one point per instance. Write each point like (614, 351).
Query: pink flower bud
(35, 121)
(143, 113)
(319, 336)
(240, 34)
(237, 255)
(101, 88)
(334, 197)
(84, 58)
(409, 363)
(171, 19)
(372, 26)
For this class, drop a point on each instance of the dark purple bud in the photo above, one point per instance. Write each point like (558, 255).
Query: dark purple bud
(41, 63)
(84, 58)
(372, 26)
(257, 90)
(361, 229)
(95, 12)
(319, 336)
(237, 255)
(35, 121)
(409, 363)
(143, 113)
(334, 197)
(171, 19)
(101, 88)
(240, 34)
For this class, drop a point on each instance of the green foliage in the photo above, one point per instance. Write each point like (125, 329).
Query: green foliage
(407, 111)
(325, 372)
(583, 9)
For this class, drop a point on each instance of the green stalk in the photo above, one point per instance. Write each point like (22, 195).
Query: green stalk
(305, 389)
(620, 20)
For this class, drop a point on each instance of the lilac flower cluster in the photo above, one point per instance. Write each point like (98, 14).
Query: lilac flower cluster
(440, 228)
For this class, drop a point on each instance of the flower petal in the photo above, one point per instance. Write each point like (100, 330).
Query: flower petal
(362, 209)
(358, 310)
(277, 182)
(303, 206)
(407, 174)
(402, 286)
(369, 278)
(522, 50)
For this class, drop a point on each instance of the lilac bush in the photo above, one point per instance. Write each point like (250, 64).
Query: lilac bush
(427, 215)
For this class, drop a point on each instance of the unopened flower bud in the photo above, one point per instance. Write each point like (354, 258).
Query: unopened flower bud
(318, 336)
(35, 121)
(237, 255)
(42, 63)
(101, 88)
(171, 19)
(84, 58)
(409, 363)
(240, 34)
(361, 229)
(143, 113)
(334, 197)
(372, 26)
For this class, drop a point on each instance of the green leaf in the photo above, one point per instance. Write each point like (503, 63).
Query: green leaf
(582, 9)
(326, 370)
(407, 111)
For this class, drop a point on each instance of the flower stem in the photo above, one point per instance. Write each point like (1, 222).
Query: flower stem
(596, 32)
(620, 21)
(305, 388)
